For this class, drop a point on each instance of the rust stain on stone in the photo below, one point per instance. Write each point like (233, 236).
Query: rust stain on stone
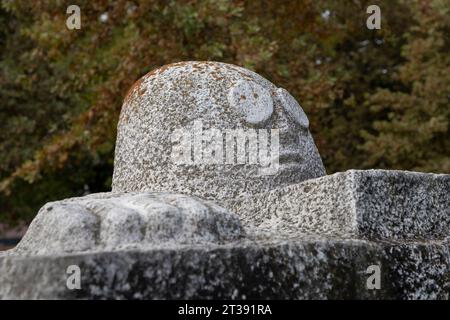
(133, 89)
(136, 88)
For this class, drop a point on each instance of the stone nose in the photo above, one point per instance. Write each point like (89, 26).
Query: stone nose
(292, 108)
(289, 119)
(288, 131)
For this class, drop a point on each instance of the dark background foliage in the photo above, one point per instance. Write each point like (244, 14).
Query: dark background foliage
(375, 98)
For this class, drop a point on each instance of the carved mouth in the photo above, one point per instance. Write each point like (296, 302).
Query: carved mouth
(290, 157)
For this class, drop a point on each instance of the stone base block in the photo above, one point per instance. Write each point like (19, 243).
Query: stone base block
(369, 204)
(306, 268)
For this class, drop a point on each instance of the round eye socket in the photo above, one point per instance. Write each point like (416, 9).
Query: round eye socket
(253, 101)
(292, 107)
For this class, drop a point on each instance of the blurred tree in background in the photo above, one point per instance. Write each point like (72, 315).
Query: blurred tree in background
(375, 98)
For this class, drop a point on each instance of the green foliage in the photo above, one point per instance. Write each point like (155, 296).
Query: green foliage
(375, 98)
(411, 119)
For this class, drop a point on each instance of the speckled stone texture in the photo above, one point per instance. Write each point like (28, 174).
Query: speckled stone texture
(308, 268)
(369, 204)
(220, 96)
(291, 234)
(272, 258)
(113, 221)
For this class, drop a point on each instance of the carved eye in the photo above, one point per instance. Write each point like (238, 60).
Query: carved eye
(253, 101)
(292, 107)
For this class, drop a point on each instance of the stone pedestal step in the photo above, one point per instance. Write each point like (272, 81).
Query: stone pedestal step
(307, 268)
(369, 204)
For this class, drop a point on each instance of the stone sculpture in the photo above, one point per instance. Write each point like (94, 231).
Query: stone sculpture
(222, 97)
(219, 192)
(112, 221)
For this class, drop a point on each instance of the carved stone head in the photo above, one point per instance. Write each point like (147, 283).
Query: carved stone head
(213, 130)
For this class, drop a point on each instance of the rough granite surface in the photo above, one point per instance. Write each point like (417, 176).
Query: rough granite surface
(303, 268)
(364, 204)
(219, 96)
(113, 221)
(291, 234)
(268, 260)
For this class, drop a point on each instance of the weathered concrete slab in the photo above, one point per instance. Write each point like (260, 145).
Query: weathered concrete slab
(370, 204)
